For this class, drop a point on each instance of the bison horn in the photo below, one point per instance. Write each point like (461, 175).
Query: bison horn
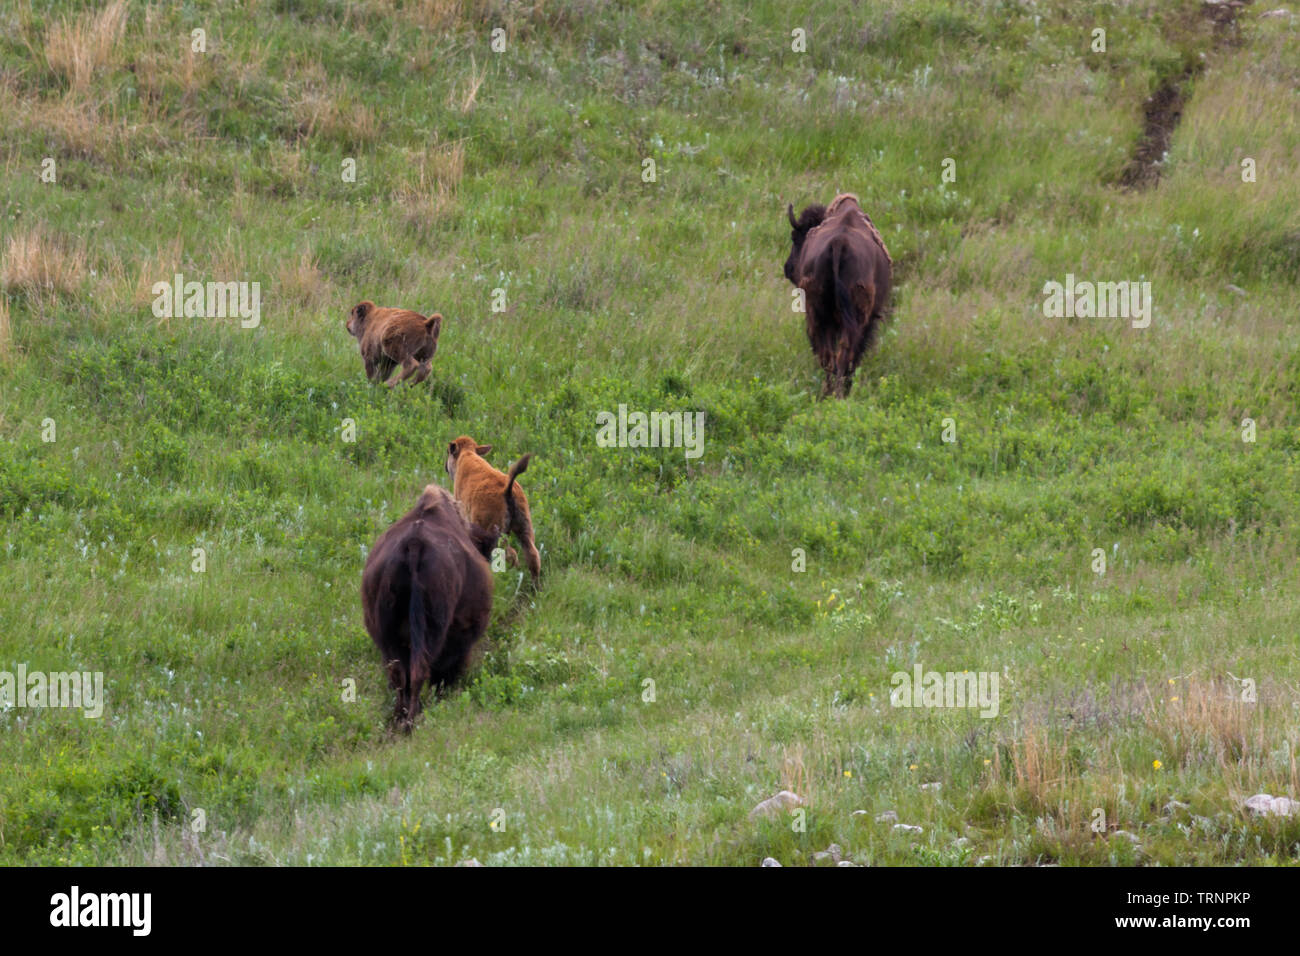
(789, 211)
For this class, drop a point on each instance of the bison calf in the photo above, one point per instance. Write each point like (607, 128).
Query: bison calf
(426, 593)
(392, 337)
(840, 262)
(492, 498)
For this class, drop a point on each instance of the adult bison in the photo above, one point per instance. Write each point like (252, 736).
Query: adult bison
(840, 262)
(426, 593)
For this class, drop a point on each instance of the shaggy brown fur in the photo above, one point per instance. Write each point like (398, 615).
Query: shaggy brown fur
(426, 594)
(485, 493)
(840, 261)
(392, 337)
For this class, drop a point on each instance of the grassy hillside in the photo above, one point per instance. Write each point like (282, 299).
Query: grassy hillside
(522, 171)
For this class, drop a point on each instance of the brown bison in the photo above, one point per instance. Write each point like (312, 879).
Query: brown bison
(840, 262)
(392, 337)
(478, 488)
(427, 594)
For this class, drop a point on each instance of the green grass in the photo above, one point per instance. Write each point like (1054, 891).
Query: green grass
(226, 688)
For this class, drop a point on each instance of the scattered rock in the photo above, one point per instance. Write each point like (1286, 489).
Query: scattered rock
(858, 813)
(1264, 805)
(846, 863)
(774, 805)
(907, 828)
(889, 816)
(931, 786)
(768, 861)
(470, 862)
(832, 852)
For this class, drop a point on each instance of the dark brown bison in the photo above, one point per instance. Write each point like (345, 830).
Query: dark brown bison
(427, 594)
(840, 262)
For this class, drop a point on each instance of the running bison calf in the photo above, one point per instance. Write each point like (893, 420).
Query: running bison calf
(840, 262)
(392, 337)
(489, 497)
(427, 593)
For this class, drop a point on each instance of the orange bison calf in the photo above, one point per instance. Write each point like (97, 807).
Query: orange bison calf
(392, 337)
(492, 498)
(426, 593)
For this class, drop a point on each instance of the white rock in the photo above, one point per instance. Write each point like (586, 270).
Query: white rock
(832, 852)
(1131, 837)
(889, 816)
(774, 805)
(768, 861)
(907, 828)
(1265, 805)
(931, 786)
(846, 863)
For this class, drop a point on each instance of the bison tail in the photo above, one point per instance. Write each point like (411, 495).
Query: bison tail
(843, 297)
(427, 636)
(512, 509)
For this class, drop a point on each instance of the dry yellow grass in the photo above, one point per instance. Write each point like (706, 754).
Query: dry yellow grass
(37, 264)
(159, 267)
(6, 333)
(443, 14)
(1039, 765)
(794, 774)
(76, 48)
(158, 70)
(333, 113)
(464, 97)
(431, 192)
(1210, 722)
(300, 287)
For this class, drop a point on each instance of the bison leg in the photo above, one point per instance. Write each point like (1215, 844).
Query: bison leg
(531, 556)
(397, 680)
(847, 364)
(413, 703)
(409, 367)
(423, 373)
(402, 708)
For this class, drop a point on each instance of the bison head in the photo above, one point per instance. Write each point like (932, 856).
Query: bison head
(461, 444)
(808, 220)
(357, 317)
